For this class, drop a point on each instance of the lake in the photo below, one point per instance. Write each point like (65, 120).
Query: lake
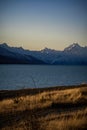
(25, 76)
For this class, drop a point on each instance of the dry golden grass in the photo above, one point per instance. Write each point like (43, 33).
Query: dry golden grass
(75, 120)
(47, 109)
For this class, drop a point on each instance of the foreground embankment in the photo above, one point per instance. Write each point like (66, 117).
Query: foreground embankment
(53, 108)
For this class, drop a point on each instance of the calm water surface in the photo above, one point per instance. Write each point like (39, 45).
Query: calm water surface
(24, 76)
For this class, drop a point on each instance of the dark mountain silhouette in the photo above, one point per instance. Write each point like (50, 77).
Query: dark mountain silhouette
(71, 55)
(8, 56)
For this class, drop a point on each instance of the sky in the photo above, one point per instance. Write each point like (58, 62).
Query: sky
(36, 24)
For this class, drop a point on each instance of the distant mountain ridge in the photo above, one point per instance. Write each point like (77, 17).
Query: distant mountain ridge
(14, 55)
(71, 55)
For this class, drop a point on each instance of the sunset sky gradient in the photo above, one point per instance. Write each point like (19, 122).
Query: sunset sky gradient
(35, 24)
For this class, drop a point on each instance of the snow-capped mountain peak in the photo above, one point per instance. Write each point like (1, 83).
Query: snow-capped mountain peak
(72, 46)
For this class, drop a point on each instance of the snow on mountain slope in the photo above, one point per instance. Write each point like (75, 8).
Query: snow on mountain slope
(74, 54)
(72, 46)
(47, 55)
(75, 48)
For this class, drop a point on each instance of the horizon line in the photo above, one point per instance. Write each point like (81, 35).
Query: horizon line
(42, 48)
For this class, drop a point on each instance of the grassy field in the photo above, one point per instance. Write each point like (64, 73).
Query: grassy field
(54, 108)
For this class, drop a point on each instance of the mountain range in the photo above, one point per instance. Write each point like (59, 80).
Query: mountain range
(71, 55)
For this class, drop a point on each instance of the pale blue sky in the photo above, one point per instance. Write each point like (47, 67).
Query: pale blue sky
(35, 24)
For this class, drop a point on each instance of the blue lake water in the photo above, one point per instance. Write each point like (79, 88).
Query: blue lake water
(24, 76)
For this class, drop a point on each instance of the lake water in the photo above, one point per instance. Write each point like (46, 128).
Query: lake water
(24, 76)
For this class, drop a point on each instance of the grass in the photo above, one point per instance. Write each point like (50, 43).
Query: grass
(56, 108)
